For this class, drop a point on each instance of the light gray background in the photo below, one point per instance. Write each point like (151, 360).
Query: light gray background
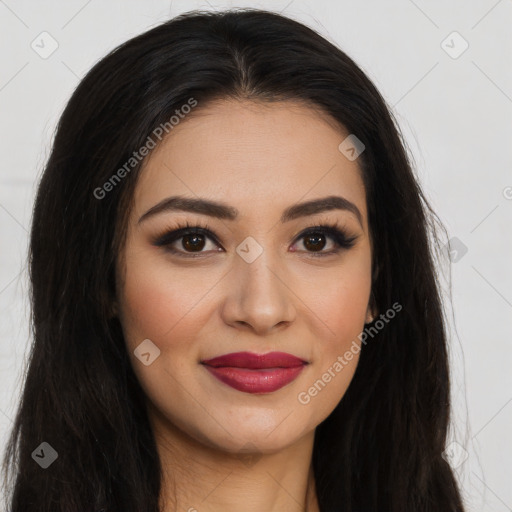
(455, 114)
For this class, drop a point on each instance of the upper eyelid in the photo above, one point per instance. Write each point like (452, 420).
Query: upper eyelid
(203, 228)
(317, 222)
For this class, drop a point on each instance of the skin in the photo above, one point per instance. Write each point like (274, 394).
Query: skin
(260, 159)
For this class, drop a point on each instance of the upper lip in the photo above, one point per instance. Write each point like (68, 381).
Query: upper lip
(256, 361)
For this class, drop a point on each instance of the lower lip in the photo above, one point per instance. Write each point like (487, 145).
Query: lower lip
(255, 381)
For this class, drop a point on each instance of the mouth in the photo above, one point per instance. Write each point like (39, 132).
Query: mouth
(255, 373)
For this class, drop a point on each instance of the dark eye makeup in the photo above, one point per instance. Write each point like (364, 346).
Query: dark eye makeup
(198, 232)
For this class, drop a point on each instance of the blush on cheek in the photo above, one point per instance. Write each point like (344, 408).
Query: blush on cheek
(160, 306)
(344, 312)
(150, 310)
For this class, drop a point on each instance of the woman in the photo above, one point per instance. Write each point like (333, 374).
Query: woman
(234, 296)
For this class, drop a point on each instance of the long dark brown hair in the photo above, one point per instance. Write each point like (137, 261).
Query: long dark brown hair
(381, 448)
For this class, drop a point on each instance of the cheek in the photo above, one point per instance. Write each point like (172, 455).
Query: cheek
(157, 302)
(341, 308)
(346, 311)
(161, 305)
(340, 300)
(149, 307)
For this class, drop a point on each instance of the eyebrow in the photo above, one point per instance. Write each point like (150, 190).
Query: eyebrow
(224, 211)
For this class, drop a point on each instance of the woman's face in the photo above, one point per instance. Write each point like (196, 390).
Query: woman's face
(255, 281)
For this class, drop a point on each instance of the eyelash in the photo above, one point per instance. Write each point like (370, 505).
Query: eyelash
(337, 233)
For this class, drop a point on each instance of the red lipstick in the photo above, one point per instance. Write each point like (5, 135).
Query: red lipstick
(255, 373)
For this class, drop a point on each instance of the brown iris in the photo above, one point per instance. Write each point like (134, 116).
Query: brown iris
(193, 242)
(317, 244)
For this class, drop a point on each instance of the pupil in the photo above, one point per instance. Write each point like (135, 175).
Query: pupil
(315, 243)
(196, 244)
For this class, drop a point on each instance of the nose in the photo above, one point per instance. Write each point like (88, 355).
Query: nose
(259, 297)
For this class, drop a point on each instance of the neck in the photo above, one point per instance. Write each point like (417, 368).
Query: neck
(200, 477)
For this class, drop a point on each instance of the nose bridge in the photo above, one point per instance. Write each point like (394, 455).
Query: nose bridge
(258, 295)
(260, 275)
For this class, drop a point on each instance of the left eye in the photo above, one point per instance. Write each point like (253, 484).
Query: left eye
(315, 241)
(193, 241)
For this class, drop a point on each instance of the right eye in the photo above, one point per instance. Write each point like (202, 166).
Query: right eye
(192, 239)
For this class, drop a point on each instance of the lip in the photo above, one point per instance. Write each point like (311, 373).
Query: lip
(255, 373)
(254, 361)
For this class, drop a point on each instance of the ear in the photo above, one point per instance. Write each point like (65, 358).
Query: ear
(370, 315)
(371, 311)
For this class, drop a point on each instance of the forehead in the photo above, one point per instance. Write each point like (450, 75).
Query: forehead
(254, 156)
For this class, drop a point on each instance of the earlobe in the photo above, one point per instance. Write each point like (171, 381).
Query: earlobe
(371, 312)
